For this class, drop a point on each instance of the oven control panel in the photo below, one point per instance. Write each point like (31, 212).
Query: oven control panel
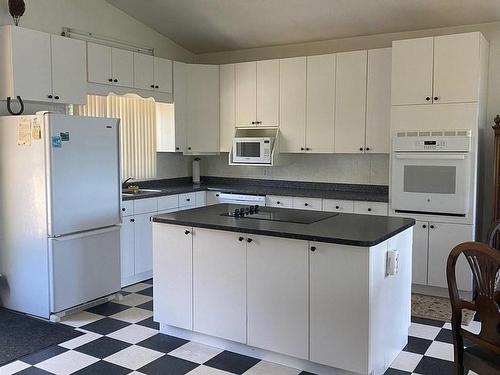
(415, 141)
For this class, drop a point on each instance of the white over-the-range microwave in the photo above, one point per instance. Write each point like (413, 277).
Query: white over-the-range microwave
(252, 150)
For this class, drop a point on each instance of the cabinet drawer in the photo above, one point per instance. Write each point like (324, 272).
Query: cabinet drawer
(168, 202)
(212, 197)
(370, 208)
(307, 203)
(143, 206)
(188, 199)
(200, 198)
(336, 205)
(127, 208)
(279, 201)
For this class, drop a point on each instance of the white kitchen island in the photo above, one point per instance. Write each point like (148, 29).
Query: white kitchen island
(309, 296)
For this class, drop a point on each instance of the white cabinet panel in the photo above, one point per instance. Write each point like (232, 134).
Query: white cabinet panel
(337, 205)
(187, 199)
(203, 108)
(371, 208)
(331, 266)
(246, 93)
(442, 238)
(127, 208)
(147, 205)
(227, 106)
(268, 94)
(456, 68)
(68, 70)
(162, 74)
(412, 65)
(378, 101)
(143, 245)
(213, 197)
(350, 102)
(99, 63)
(303, 203)
(180, 105)
(420, 252)
(122, 63)
(277, 295)
(293, 104)
(201, 198)
(143, 71)
(168, 202)
(320, 103)
(127, 255)
(173, 275)
(279, 201)
(219, 284)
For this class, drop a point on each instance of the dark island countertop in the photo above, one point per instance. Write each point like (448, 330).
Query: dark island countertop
(356, 192)
(346, 229)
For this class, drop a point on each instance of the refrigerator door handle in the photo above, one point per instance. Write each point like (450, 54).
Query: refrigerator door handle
(86, 233)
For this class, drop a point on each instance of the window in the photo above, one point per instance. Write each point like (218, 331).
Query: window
(137, 130)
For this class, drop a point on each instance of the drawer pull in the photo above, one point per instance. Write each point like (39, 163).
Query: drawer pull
(313, 248)
(249, 240)
(337, 207)
(186, 232)
(241, 238)
(306, 204)
(369, 209)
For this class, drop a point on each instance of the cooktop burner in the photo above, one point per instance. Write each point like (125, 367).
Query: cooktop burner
(283, 215)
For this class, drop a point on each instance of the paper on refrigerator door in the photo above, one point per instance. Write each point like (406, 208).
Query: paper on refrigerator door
(24, 132)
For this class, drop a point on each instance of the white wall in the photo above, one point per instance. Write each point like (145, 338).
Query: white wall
(96, 16)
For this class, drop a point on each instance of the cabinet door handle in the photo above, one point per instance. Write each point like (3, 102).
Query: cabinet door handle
(302, 149)
(123, 208)
(115, 80)
(278, 202)
(49, 96)
(424, 226)
(132, 220)
(56, 97)
(432, 226)
(361, 149)
(367, 149)
(428, 98)
(254, 122)
(177, 148)
(306, 204)
(186, 232)
(241, 238)
(249, 240)
(152, 86)
(313, 248)
(217, 195)
(189, 148)
(110, 79)
(337, 207)
(369, 209)
(436, 98)
(157, 87)
(308, 149)
(188, 199)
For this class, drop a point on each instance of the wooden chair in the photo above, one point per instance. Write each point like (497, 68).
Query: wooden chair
(483, 357)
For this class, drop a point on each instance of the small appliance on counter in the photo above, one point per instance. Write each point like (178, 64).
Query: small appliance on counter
(254, 146)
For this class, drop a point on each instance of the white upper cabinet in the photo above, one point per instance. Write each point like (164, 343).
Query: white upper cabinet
(456, 68)
(162, 74)
(143, 71)
(227, 106)
(293, 104)
(41, 67)
(412, 61)
(180, 106)
(434, 70)
(122, 63)
(378, 101)
(257, 93)
(320, 103)
(350, 102)
(110, 66)
(268, 94)
(68, 70)
(99, 64)
(246, 93)
(203, 109)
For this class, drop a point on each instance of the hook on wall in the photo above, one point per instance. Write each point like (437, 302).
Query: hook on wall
(21, 109)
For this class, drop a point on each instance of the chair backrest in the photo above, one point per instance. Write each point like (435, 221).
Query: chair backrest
(494, 235)
(484, 262)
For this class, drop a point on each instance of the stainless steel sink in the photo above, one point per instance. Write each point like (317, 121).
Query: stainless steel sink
(128, 192)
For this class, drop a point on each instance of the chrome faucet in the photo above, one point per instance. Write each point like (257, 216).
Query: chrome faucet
(127, 180)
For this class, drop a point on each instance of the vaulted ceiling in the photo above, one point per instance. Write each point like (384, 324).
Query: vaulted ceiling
(220, 25)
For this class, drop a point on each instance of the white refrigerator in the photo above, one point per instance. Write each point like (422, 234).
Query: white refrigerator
(60, 198)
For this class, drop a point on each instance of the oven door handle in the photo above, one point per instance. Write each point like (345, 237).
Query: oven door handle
(430, 157)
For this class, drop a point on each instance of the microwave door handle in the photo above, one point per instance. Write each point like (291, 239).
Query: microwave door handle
(430, 157)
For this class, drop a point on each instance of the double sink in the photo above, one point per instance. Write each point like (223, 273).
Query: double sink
(136, 192)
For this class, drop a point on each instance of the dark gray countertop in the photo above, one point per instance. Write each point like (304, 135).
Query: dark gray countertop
(357, 192)
(346, 229)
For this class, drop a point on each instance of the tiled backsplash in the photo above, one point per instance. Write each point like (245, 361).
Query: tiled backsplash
(338, 168)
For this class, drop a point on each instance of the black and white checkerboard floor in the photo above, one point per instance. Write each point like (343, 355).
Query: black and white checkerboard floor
(121, 338)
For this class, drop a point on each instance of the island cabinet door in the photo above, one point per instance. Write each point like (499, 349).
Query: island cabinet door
(277, 295)
(219, 284)
(172, 275)
(339, 306)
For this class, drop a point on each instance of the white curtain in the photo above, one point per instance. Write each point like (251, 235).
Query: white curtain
(137, 130)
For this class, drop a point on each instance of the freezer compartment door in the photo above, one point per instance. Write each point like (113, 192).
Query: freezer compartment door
(84, 173)
(83, 267)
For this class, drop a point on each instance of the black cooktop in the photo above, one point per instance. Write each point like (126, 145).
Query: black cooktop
(286, 216)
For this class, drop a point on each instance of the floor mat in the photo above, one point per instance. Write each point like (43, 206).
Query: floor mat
(21, 335)
(437, 308)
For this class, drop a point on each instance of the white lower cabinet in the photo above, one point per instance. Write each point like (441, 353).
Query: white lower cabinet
(219, 284)
(277, 295)
(143, 245)
(338, 205)
(127, 249)
(307, 203)
(173, 275)
(371, 208)
(279, 201)
(420, 252)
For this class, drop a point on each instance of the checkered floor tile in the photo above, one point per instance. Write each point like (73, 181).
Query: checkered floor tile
(120, 337)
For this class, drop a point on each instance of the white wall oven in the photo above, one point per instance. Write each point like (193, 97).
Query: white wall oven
(431, 174)
(252, 150)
